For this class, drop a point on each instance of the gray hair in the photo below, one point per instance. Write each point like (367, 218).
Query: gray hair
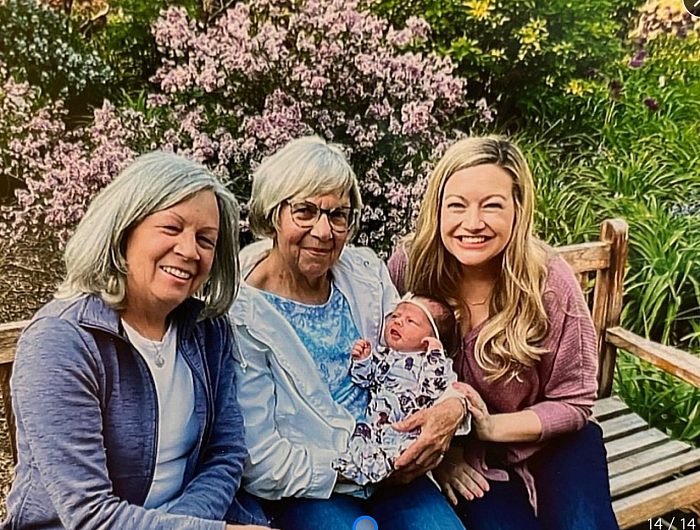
(305, 167)
(95, 255)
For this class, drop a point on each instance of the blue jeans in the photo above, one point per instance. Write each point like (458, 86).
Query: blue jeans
(415, 506)
(573, 490)
(245, 509)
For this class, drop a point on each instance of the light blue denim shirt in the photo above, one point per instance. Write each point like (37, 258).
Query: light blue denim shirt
(294, 428)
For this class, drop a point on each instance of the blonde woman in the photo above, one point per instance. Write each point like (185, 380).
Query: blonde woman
(528, 357)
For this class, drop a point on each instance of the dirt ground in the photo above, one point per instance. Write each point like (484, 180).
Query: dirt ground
(29, 273)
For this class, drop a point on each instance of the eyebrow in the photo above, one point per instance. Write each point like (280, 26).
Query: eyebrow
(492, 196)
(182, 220)
(306, 201)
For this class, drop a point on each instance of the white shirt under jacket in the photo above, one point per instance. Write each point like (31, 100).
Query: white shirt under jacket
(293, 427)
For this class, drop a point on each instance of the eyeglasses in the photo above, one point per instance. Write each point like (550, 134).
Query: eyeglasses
(306, 215)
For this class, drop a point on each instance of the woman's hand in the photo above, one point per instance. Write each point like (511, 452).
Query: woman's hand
(245, 527)
(438, 424)
(521, 426)
(482, 420)
(456, 476)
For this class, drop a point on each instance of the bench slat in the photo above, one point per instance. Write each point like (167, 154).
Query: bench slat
(654, 473)
(647, 504)
(645, 458)
(9, 333)
(607, 408)
(633, 444)
(586, 257)
(5, 373)
(621, 426)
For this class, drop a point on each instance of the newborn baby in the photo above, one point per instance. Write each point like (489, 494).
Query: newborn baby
(407, 375)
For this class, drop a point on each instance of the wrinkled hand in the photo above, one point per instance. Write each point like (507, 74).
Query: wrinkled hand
(456, 476)
(482, 421)
(361, 349)
(438, 424)
(431, 343)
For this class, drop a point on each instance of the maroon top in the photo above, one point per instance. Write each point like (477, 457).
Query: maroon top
(560, 388)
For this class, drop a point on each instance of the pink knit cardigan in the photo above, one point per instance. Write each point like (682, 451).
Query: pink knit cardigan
(560, 388)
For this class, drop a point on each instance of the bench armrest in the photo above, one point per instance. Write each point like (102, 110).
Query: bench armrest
(676, 362)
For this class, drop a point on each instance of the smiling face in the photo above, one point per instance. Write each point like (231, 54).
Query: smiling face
(311, 252)
(406, 327)
(170, 254)
(477, 214)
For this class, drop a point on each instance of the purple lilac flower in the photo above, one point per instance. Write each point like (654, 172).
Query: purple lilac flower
(638, 59)
(652, 104)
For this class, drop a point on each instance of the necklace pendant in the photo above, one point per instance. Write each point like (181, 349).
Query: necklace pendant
(160, 362)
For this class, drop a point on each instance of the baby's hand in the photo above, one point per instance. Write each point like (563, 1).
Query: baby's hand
(431, 343)
(361, 349)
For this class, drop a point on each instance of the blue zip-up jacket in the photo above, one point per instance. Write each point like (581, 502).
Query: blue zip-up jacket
(87, 409)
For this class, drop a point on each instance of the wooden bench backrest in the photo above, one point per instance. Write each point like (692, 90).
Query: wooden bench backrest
(9, 333)
(602, 261)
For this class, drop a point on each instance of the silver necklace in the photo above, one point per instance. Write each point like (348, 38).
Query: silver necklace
(159, 360)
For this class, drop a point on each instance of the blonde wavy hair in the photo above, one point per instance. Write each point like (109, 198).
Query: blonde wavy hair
(510, 340)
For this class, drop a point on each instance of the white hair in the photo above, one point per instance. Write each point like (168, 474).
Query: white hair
(95, 255)
(305, 167)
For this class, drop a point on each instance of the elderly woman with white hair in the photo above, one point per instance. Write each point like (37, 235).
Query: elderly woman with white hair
(123, 385)
(306, 297)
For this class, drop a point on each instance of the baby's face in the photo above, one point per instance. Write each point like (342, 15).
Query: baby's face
(406, 327)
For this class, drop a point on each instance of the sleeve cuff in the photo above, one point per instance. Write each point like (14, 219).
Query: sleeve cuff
(323, 478)
(558, 418)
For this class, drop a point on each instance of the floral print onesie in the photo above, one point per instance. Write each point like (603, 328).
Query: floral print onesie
(399, 384)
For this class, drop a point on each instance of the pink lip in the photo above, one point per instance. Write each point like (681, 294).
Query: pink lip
(319, 250)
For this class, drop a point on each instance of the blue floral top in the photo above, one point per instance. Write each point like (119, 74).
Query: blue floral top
(328, 332)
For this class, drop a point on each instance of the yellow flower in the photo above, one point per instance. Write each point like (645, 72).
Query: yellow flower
(479, 9)
(578, 88)
(531, 37)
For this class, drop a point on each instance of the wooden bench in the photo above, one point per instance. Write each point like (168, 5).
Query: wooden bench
(650, 474)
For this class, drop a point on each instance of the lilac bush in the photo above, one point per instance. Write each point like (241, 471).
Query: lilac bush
(63, 169)
(268, 71)
(229, 94)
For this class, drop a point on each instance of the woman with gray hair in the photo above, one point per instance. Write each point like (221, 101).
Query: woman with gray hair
(306, 297)
(119, 380)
